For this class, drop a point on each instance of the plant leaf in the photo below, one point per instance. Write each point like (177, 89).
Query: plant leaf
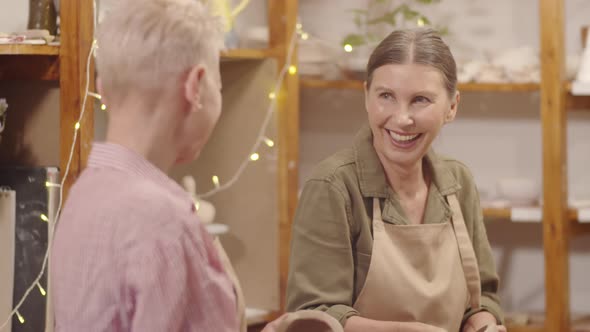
(410, 14)
(354, 40)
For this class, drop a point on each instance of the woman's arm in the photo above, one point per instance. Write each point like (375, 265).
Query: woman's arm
(321, 265)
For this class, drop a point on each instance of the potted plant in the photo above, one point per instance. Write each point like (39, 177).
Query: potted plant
(374, 23)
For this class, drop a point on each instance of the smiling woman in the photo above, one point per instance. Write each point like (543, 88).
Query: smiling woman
(388, 235)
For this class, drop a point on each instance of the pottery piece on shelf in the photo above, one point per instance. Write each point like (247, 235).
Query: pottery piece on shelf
(42, 15)
(519, 191)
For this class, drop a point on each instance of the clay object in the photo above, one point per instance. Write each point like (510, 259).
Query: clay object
(488, 328)
(42, 15)
(205, 210)
(309, 321)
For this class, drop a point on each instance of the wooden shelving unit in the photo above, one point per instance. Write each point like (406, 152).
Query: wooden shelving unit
(65, 63)
(505, 213)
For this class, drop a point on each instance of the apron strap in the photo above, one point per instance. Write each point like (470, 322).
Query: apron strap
(468, 259)
(378, 224)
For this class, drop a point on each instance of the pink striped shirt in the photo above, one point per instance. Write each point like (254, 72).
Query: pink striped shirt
(130, 255)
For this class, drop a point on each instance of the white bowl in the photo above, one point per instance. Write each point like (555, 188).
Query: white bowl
(519, 191)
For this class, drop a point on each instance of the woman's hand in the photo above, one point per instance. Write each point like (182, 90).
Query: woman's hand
(481, 319)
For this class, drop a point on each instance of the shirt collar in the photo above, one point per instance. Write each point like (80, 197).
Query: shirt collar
(371, 175)
(115, 156)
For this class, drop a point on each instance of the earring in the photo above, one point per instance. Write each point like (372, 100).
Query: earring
(197, 102)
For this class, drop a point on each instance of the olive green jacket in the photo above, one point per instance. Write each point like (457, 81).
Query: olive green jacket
(332, 231)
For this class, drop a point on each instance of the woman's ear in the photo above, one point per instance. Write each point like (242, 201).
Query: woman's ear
(192, 86)
(450, 116)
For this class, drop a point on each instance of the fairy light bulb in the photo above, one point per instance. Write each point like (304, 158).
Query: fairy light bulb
(269, 142)
(41, 289)
(21, 319)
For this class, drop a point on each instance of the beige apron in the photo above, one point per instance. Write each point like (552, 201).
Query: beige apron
(241, 305)
(424, 273)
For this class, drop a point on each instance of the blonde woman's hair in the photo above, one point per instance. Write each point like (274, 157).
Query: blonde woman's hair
(148, 45)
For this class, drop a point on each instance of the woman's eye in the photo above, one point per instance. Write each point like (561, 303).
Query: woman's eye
(421, 99)
(386, 95)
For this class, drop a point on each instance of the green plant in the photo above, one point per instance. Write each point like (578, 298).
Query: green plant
(397, 16)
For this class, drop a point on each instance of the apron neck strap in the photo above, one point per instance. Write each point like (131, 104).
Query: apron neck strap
(468, 258)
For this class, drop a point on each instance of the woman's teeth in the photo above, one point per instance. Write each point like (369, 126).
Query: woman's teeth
(402, 138)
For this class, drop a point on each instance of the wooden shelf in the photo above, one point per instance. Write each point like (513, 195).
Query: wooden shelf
(314, 83)
(505, 213)
(499, 87)
(27, 49)
(248, 54)
(471, 87)
(520, 328)
(493, 213)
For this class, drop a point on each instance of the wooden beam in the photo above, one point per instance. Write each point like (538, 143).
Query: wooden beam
(553, 118)
(282, 18)
(76, 39)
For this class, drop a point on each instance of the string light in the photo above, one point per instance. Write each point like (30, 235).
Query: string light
(21, 319)
(254, 156)
(267, 119)
(95, 95)
(103, 107)
(77, 126)
(304, 36)
(272, 95)
(420, 22)
(215, 180)
(41, 289)
(44, 217)
(50, 185)
(269, 142)
(348, 48)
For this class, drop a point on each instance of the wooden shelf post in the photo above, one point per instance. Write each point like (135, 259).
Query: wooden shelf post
(554, 122)
(77, 27)
(282, 18)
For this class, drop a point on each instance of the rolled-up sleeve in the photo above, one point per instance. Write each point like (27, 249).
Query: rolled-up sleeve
(321, 271)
